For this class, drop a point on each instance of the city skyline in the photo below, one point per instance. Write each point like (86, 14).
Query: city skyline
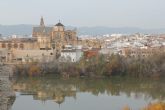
(111, 13)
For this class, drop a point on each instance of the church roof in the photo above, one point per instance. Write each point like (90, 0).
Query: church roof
(45, 30)
(59, 24)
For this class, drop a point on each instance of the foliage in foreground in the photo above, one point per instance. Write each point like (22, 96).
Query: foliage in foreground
(153, 106)
(156, 106)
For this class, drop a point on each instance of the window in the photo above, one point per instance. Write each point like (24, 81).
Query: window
(9, 46)
(21, 46)
(15, 46)
(19, 59)
(3, 45)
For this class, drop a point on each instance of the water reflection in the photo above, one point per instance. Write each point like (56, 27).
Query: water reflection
(7, 96)
(52, 88)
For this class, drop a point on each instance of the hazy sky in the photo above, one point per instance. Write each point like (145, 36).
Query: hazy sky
(112, 13)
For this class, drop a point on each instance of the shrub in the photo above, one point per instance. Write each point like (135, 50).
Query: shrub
(155, 106)
(34, 70)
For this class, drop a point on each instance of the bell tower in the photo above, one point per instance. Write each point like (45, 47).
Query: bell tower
(42, 22)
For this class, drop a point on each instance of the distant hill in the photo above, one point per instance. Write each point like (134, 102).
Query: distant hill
(123, 30)
(7, 30)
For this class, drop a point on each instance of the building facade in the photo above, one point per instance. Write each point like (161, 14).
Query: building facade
(142, 52)
(45, 42)
(55, 37)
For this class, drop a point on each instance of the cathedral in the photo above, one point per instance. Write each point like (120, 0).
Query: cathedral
(45, 41)
(55, 37)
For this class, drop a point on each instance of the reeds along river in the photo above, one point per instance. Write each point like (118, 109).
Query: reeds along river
(52, 93)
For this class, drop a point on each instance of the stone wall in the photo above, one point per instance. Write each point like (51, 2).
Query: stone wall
(7, 96)
(34, 55)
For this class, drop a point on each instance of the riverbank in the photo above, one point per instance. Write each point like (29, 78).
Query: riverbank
(99, 66)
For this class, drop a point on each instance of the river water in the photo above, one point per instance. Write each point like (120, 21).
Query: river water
(52, 93)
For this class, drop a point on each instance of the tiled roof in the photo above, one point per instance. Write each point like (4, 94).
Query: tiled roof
(45, 30)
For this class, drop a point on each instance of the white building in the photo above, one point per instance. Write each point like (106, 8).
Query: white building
(70, 54)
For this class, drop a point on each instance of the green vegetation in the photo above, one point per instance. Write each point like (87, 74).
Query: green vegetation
(100, 66)
(116, 65)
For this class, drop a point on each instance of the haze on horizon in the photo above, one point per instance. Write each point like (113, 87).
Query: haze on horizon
(111, 13)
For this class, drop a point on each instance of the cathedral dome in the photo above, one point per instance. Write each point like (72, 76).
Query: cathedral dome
(59, 27)
(59, 24)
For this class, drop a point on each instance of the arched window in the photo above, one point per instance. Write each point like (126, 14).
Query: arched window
(21, 46)
(3, 45)
(15, 46)
(9, 46)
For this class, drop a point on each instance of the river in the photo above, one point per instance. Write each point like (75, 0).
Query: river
(54, 93)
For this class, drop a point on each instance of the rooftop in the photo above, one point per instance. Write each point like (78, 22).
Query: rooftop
(59, 24)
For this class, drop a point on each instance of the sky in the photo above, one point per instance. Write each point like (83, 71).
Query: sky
(148, 14)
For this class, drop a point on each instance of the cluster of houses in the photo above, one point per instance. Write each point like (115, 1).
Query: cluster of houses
(135, 45)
